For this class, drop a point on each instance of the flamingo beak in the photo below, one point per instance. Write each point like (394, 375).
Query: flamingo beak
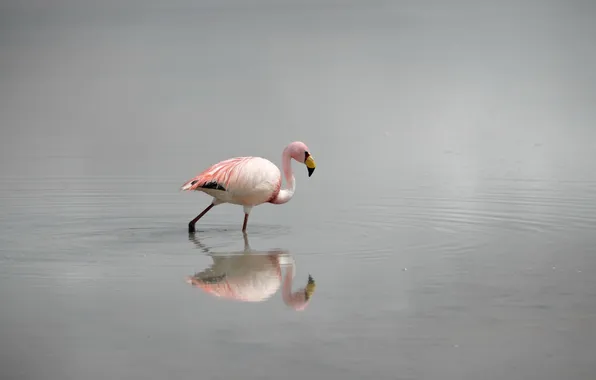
(310, 164)
(310, 288)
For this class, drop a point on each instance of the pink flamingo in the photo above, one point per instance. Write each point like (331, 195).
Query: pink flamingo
(249, 181)
(251, 276)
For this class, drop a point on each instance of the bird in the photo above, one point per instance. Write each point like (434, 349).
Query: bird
(252, 276)
(250, 181)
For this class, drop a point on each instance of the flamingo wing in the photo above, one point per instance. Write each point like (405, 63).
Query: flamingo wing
(215, 177)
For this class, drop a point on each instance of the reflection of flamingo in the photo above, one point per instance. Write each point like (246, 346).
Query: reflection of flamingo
(249, 181)
(251, 276)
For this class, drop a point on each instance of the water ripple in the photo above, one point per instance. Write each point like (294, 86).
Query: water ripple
(483, 213)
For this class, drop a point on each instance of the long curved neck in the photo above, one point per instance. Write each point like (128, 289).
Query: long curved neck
(286, 194)
(291, 299)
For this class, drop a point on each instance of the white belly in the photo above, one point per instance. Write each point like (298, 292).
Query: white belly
(253, 183)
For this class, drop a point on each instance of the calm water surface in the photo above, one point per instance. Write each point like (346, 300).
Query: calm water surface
(449, 226)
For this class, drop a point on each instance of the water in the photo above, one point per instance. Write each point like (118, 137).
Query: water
(448, 226)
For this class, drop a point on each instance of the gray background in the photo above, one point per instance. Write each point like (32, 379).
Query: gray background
(449, 224)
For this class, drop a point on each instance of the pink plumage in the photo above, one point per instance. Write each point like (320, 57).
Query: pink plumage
(251, 276)
(249, 181)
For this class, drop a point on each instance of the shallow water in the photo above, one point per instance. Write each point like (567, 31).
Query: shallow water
(448, 226)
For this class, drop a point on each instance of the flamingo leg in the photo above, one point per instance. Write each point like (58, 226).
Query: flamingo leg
(245, 221)
(191, 224)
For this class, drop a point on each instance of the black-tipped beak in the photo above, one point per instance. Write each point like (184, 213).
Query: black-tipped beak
(310, 163)
(310, 288)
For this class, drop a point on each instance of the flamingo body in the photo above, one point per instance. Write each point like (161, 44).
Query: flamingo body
(245, 181)
(249, 181)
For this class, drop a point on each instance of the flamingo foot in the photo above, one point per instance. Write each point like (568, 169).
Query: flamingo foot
(191, 224)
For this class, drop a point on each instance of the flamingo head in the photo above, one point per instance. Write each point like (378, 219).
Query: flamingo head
(300, 298)
(299, 152)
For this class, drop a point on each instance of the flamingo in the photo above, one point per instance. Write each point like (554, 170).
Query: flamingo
(249, 181)
(252, 276)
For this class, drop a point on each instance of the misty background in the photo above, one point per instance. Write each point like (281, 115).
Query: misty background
(449, 224)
